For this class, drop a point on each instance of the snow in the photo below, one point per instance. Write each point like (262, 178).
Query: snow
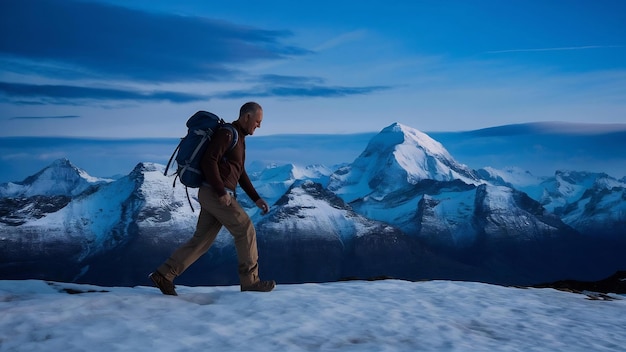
(388, 315)
(568, 187)
(319, 217)
(158, 192)
(98, 212)
(60, 178)
(397, 157)
(455, 209)
(274, 180)
(515, 176)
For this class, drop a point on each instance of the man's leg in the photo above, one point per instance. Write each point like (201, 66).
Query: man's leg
(207, 229)
(238, 223)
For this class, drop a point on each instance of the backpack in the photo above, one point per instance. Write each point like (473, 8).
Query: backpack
(200, 128)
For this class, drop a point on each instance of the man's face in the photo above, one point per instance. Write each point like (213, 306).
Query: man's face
(253, 121)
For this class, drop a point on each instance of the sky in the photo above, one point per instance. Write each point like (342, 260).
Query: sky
(120, 69)
(377, 316)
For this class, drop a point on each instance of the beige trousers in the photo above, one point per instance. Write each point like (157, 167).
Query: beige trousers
(212, 217)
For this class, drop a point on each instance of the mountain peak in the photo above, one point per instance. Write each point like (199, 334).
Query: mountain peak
(413, 137)
(62, 162)
(397, 157)
(61, 177)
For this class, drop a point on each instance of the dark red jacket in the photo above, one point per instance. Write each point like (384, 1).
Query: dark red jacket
(221, 173)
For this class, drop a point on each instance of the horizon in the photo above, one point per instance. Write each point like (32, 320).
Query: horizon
(540, 148)
(547, 127)
(81, 67)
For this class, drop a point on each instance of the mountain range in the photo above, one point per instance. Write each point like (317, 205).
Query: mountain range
(404, 208)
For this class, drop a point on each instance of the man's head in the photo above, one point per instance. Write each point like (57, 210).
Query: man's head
(250, 117)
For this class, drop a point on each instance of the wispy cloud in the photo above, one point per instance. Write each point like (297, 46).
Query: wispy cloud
(71, 41)
(276, 86)
(555, 49)
(64, 94)
(342, 39)
(101, 40)
(302, 91)
(289, 80)
(44, 117)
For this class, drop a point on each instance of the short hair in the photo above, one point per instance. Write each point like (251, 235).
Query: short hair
(249, 107)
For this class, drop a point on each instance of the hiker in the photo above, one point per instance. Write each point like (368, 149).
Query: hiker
(223, 169)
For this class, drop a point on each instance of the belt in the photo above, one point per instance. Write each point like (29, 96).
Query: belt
(231, 192)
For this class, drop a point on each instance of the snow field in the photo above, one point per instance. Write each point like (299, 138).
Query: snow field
(387, 315)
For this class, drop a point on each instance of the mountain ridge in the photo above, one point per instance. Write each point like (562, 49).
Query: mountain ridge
(541, 154)
(469, 227)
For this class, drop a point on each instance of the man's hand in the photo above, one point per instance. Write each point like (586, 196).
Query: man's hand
(225, 200)
(262, 204)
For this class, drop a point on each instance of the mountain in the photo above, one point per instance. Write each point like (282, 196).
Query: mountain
(403, 208)
(69, 226)
(510, 176)
(47, 191)
(61, 178)
(399, 156)
(308, 223)
(567, 187)
(409, 180)
(600, 209)
(274, 180)
(536, 147)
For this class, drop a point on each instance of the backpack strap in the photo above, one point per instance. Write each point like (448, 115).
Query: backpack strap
(233, 130)
(233, 143)
(172, 158)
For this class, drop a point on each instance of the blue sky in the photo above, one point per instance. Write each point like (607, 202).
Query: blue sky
(120, 69)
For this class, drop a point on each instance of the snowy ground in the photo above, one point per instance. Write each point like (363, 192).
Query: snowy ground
(343, 316)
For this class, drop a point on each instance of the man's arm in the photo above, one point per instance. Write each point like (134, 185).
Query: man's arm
(246, 185)
(218, 146)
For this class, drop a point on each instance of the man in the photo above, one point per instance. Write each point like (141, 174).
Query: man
(223, 170)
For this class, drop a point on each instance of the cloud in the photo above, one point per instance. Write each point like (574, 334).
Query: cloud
(277, 86)
(555, 49)
(63, 94)
(61, 45)
(44, 117)
(297, 86)
(290, 80)
(342, 39)
(104, 40)
(302, 91)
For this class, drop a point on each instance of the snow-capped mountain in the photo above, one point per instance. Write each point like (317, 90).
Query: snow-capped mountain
(313, 235)
(567, 187)
(91, 222)
(322, 215)
(309, 223)
(164, 205)
(45, 192)
(274, 180)
(599, 211)
(61, 178)
(399, 156)
(593, 203)
(511, 176)
(404, 208)
(406, 179)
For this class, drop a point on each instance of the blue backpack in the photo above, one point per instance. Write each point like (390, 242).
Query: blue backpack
(200, 128)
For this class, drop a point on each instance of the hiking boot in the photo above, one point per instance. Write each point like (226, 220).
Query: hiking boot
(166, 286)
(260, 286)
